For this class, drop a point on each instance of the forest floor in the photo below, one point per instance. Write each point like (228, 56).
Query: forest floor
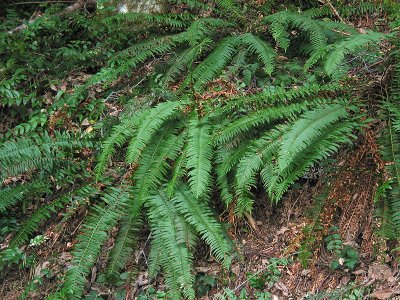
(289, 252)
(268, 260)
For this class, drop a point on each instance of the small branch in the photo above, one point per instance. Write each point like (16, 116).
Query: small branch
(43, 2)
(73, 7)
(252, 223)
(334, 10)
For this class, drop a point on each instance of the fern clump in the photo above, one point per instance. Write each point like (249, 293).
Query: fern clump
(183, 142)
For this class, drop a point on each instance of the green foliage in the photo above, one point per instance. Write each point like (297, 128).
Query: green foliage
(41, 152)
(204, 283)
(94, 232)
(388, 200)
(269, 276)
(174, 152)
(345, 256)
(352, 291)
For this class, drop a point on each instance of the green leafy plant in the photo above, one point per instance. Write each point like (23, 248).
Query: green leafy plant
(345, 256)
(204, 283)
(185, 153)
(269, 276)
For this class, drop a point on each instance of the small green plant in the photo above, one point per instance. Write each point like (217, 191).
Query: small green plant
(204, 283)
(15, 256)
(345, 256)
(269, 276)
(350, 292)
(152, 294)
(35, 283)
(7, 226)
(334, 241)
(229, 294)
(38, 240)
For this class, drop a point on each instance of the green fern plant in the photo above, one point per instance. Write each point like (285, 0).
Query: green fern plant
(184, 153)
(40, 161)
(204, 47)
(389, 208)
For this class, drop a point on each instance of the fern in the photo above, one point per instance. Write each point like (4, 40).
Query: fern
(265, 52)
(214, 63)
(259, 153)
(195, 142)
(118, 137)
(154, 165)
(41, 152)
(249, 122)
(230, 8)
(338, 53)
(306, 130)
(199, 215)
(277, 180)
(171, 20)
(190, 3)
(185, 60)
(279, 29)
(199, 156)
(203, 28)
(44, 212)
(390, 143)
(170, 232)
(179, 170)
(9, 196)
(310, 26)
(148, 126)
(125, 241)
(94, 232)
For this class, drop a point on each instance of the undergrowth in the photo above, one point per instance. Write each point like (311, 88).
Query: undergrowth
(129, 116)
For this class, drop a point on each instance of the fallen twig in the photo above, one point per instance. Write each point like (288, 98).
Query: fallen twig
(73, 7)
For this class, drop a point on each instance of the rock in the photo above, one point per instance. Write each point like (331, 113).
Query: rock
(145, 6)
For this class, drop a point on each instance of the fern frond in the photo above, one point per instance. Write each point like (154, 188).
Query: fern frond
(390, 143)
(173, 231)
(230, 9)
(258, 154)
(191, 3)
(349, 46)
(179, 170)
(258, 118)
(328, 143)
(310, 26)
(156, 118)
(316, 135)
(152, 171)
(281, 95)
(306, 130)
(120, 134)
(266, 54)
(281, 21)
(40, 152)
(43, 213)
(317, 56)
(204, 27)
(226, 161)
(171, 20)
(184, 61)
(11, 195)
(94, 233)
(200, 216)
(279, 28)
(199, 156)
(125, 240)
(214, 63)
